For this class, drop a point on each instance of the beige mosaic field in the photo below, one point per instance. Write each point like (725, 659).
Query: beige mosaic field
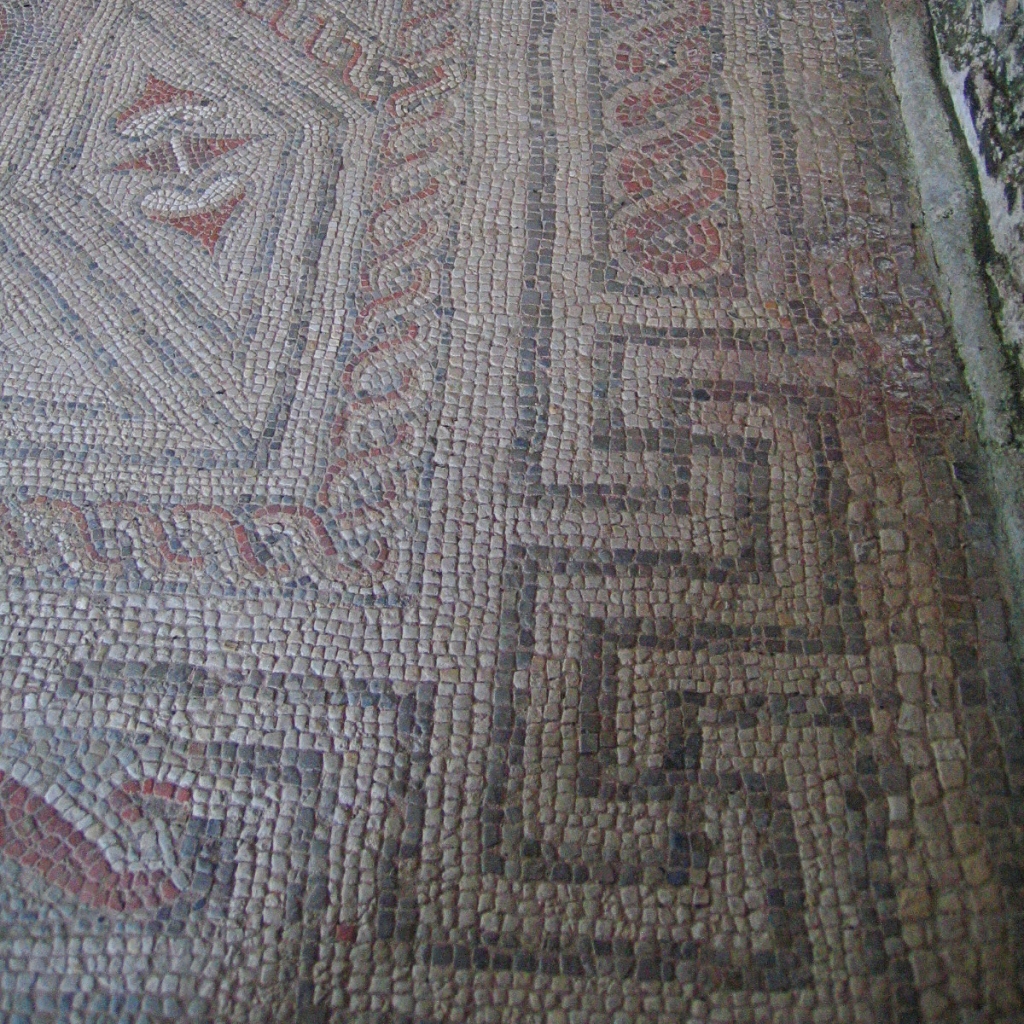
(490, 529)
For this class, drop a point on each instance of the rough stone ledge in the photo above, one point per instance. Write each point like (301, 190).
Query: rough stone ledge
(954, 221)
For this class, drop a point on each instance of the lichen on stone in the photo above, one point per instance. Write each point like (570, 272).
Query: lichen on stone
(987, 41)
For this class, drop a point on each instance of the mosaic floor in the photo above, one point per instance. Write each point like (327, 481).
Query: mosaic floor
(489, 526)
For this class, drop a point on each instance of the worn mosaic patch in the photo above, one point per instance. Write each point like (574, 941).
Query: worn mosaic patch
(489, 525)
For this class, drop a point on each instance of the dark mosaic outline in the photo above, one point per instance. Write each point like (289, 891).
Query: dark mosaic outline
(522, 565)
(245, 498)
(517, 858)
(254, 442)
(308, 891)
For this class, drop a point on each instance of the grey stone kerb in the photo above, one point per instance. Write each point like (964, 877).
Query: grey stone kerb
(969, 271)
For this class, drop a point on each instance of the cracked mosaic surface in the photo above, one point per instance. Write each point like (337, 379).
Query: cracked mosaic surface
(490, 528)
